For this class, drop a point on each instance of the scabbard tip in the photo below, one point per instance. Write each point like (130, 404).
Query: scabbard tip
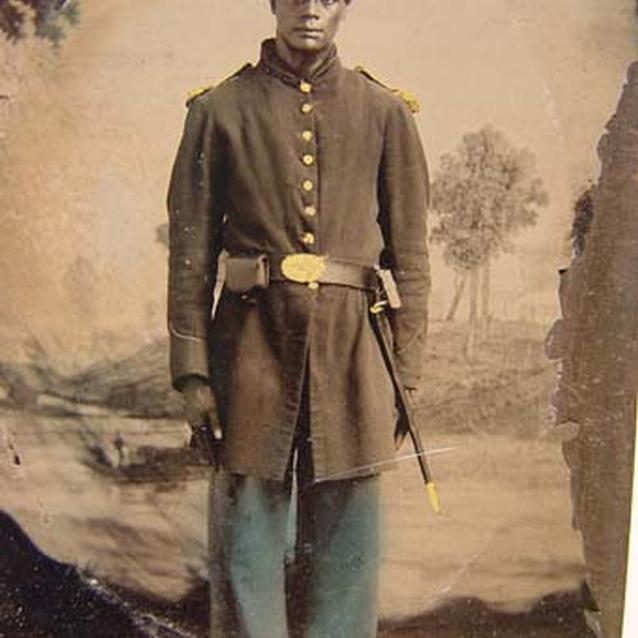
(433, 495)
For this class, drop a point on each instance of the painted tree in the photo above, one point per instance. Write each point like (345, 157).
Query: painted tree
(50, 17)
(481, 196)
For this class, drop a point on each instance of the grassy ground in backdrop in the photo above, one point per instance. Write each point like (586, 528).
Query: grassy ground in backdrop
(104, 491)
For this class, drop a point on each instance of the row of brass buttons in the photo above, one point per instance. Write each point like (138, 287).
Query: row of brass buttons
(308, 159)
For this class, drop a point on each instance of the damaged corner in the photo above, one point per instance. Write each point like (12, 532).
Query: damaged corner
(598, 358)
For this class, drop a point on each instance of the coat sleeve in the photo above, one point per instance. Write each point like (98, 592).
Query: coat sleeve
(195, 225)
(403, 201)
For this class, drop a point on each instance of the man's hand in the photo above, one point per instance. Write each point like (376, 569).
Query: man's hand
(200, 410)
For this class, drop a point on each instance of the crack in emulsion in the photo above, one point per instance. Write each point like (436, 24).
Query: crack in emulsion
(362, 469)
(463, 569)
(16, 459)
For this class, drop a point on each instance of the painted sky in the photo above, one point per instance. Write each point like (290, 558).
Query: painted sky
(95, 147)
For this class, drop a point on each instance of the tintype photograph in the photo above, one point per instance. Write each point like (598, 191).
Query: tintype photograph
(318, 318)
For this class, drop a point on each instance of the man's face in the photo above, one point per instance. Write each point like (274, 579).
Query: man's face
(308, 25)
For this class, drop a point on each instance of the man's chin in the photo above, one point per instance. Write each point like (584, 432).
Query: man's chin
(307, 45)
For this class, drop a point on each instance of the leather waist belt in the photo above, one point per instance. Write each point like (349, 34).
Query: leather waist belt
(313, 270)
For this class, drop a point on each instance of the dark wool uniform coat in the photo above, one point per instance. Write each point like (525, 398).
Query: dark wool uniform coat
(273, 163)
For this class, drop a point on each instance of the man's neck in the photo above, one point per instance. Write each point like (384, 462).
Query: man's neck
(303, 63)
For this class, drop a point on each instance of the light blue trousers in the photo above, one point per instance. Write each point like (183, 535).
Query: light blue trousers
(290, 560)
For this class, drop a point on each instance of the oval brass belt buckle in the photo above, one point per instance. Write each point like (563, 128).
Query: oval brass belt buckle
(303, 268)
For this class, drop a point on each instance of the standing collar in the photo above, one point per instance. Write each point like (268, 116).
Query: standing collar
(273, 65)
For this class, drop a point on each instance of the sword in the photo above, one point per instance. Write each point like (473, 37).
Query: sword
(406, 418)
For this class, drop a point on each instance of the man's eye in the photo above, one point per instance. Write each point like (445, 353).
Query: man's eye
(325, 3)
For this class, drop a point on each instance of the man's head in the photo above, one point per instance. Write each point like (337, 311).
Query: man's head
(308, 25)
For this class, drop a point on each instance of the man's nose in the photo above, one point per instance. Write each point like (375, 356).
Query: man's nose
(311, 8)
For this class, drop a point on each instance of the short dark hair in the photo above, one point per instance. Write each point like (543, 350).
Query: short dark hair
(272, 3)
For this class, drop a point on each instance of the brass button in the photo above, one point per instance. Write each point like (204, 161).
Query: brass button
(311, 211)
(307, 185)
(313, 285)
(307, 136)
(306, 107)
(305, 87)
(308, 160)
(308, 239)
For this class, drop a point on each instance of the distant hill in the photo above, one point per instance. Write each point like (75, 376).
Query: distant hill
(510, 371)
(509, 376)
(138, 384)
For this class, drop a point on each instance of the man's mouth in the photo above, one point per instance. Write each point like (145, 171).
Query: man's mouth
(311, 33)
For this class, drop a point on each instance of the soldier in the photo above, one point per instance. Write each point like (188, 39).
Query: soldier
(309, 178)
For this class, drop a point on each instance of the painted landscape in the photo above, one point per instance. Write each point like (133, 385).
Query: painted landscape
(103, 504)
(104, 483)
